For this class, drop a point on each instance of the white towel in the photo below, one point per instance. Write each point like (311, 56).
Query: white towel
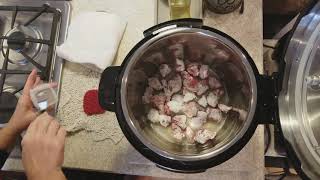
(93, 39)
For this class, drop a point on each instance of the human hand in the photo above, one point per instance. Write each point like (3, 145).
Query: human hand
(25, 112)
(43, 149)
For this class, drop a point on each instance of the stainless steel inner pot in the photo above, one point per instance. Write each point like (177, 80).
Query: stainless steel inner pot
(204, 46)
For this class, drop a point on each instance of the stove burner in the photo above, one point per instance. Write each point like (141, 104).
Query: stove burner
(8, 102)
(22, 44)
(17, 41)
(18, 45)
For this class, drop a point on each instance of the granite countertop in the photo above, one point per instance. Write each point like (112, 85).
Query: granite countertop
(97, 143)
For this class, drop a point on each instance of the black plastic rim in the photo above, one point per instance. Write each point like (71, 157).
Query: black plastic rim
(175, 165)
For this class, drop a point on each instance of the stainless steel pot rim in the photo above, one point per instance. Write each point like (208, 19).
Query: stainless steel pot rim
(210, 34)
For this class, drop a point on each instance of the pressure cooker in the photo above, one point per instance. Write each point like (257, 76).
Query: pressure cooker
(288, 99)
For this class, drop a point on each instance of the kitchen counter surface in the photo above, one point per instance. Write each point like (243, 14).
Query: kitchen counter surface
(97, 143)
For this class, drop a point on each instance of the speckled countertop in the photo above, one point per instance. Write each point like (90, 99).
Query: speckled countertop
(97, 143)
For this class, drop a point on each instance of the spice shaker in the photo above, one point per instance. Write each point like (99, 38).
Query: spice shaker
(224, 6)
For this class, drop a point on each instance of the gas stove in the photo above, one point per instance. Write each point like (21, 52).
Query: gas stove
(29, 34)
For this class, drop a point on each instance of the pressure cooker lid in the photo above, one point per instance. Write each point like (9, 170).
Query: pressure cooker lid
(299, 100)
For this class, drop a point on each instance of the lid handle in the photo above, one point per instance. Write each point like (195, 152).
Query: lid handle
(187, 22)
(107, 88)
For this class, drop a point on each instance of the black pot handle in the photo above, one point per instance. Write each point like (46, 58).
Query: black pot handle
(187, 22)
(181, 171)
(107, 88)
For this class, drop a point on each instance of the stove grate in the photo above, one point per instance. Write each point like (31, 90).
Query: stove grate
(43, 71)
(16, 42)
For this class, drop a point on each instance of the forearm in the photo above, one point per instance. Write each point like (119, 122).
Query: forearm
(7, 138)
(55, 175)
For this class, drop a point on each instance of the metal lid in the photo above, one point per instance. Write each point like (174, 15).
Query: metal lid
(300, 97)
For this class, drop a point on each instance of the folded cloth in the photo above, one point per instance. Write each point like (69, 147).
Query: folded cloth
(93, 39)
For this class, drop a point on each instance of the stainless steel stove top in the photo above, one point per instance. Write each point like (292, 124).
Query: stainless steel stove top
(29, 32)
